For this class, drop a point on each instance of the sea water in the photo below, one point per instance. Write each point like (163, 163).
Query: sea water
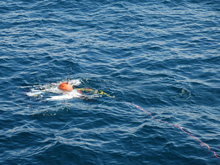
(160, 59)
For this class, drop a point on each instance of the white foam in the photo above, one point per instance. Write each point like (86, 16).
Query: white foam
(66, 96)
(53, 88)
(34, 92)
(75, 82)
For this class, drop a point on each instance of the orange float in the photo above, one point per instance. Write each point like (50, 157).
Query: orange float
(64, 86)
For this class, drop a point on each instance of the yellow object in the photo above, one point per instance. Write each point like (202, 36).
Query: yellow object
(95, 91)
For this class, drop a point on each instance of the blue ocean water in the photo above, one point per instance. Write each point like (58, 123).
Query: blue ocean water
(162, 56)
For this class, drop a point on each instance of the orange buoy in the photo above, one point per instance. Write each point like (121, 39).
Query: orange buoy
(64, 86)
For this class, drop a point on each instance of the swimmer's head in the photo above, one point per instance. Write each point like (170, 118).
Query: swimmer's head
(64, 86)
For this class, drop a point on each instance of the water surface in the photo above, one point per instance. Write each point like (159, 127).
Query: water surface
(160, 55)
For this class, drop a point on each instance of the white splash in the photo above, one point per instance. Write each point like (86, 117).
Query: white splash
(65, 96)
(52, 88)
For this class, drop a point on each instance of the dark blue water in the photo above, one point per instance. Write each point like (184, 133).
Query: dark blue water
(162, 55)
